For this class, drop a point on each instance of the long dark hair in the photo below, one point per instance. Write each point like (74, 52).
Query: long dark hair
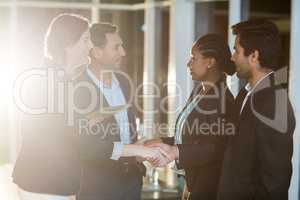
(63, 31)
(215, 46)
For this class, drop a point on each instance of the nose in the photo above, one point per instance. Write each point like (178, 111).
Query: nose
(90, 45)
(232, 58)
(189, 64)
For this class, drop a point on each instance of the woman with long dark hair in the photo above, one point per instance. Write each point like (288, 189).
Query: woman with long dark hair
(48, 164)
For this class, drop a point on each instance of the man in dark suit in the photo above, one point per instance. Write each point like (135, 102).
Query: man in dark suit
(257, 163)
(108, 152)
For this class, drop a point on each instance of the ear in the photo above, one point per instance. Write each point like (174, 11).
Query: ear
(97, 52)
(212, 62)
(253, 58)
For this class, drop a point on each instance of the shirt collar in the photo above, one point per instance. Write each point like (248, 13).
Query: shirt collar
(99, 83)
(250, 89)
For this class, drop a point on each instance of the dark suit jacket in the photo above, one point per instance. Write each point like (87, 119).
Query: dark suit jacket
(257, 162)
(48, 161)
(202, 148)
(102, 176)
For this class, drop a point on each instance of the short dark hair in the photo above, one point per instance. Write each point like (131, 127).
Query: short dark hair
(99, 31)
(63, 31)
(263, 36)
(215, 46)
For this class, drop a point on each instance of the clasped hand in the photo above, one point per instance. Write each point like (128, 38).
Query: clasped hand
(158, 153)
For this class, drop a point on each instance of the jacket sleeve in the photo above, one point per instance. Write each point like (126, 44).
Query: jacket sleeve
(192, 155)
(275, 148)
(168, 140)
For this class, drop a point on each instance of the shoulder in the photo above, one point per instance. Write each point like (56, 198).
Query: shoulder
(270, 95)
(272, 103)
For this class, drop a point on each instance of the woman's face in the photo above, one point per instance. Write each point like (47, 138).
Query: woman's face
(78, 53)
(198, 65)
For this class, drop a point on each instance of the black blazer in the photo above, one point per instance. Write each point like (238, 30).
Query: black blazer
(257, 162)
(60, 158)
(201, 151)
(100, 174)
(48, 161)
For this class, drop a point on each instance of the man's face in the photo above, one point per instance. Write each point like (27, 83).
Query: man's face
(241, 61)
(111, 54)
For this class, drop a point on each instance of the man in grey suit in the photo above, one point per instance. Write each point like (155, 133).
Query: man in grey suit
(108, 148)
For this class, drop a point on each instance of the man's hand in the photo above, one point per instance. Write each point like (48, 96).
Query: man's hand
(140, 142)
(155, 155)
(170, 152)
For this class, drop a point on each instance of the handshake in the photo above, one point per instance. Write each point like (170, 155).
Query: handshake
(156, 152)
(153, 151)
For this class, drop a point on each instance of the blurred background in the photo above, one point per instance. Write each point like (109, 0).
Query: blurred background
(157, 35)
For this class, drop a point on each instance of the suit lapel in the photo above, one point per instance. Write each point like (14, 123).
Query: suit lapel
(240, 98)
(266, 83)
(102, 102)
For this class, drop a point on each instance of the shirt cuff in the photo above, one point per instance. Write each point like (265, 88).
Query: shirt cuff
(117, 151)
